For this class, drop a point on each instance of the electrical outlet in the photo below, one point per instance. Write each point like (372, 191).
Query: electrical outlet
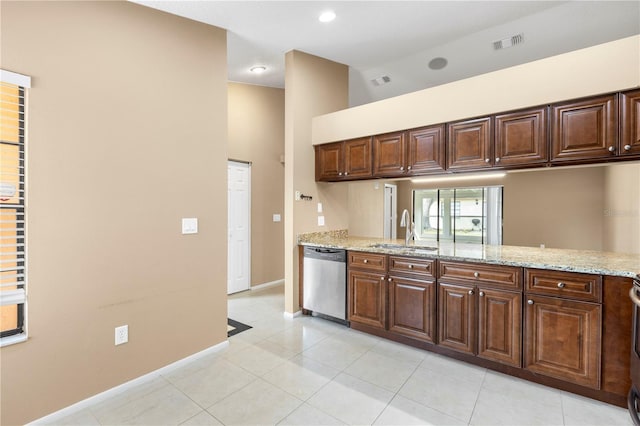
(122, 334)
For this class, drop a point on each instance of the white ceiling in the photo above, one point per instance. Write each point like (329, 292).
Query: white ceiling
(399, 38)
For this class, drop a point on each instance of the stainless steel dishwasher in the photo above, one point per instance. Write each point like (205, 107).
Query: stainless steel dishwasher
(325, 282)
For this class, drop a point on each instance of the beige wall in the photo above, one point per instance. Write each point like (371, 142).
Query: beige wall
(599, 69)
(127, 135)
(560, 208)
(313, 86)
(256, 134)
(366, 208)
(622, 208)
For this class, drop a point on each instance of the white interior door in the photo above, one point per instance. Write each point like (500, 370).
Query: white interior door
(239, 218)
(390, 211)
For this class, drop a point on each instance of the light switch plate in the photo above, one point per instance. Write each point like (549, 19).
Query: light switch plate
(319, 207)
(320, 220)
(276, 218)
(189, 225)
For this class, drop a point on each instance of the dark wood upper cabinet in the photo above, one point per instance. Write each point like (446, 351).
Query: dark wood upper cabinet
(589, 130)
(521, 138)
(414, 152)
(389, 154)
(357, 158)
(469, 144)
(630, 123)
(426, 150)
(329, 161)
(343, 160)
(585, 129)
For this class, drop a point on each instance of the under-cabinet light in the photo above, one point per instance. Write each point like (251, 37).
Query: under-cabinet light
(459, 177)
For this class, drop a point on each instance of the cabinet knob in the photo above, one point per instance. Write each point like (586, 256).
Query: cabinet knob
(530, 302)
(365, 261)
(487, 160)
(481, 293)
(561, 285)
(381, 278)
(345, 173)
(497, 159)
(409, 167)
(340, 174)
(471, 292)
(612, 148)
(401, 167)
(476, 274)
(410, 266)
(389, 279)
(627, 147)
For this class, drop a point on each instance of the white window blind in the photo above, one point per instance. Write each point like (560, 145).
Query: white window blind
(13, 296)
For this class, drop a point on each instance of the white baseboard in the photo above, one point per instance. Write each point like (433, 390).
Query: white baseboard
(85, 403)
(292, 315)
(267, 285)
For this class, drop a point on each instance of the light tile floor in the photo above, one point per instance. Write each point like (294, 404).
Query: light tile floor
(309, 371)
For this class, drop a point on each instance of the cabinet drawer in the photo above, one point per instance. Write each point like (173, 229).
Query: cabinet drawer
(412, 265)
(571, 285)
(368, 261)
(509, 277)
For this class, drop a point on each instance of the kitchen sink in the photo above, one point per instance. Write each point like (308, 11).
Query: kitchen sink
(411, 249)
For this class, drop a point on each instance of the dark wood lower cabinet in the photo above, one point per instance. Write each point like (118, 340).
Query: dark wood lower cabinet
(367, 298)
(562, 339)
(412, 308)
(479, 313)
(481, 321)
(456, 317)
(500, 326)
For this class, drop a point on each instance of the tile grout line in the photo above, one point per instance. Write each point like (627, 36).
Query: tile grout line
(477, 396)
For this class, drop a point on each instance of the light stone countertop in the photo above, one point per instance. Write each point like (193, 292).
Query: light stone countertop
(584, 261)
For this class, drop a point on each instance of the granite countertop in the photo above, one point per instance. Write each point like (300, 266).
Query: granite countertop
(584, 261)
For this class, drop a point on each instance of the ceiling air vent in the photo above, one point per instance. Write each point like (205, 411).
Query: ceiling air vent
(508, 42)
(381, 80)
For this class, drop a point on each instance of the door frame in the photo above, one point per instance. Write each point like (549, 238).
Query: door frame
(390, 211)
(248, 165)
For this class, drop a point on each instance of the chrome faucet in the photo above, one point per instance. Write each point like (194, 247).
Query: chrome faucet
(410, 227)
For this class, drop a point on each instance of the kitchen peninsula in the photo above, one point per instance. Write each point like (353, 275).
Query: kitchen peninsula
(553, 316)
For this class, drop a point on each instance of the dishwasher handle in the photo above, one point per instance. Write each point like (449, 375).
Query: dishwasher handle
(331, 254)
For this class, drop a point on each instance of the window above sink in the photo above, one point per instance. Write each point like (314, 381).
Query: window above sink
(469, 215)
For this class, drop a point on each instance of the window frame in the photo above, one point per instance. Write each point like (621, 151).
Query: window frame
(18, 297)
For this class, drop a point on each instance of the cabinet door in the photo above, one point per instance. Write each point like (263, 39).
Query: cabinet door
(500, 326)
(412, 308)
(562, 339)
(583, 130)
(367, 298)
(470, 144)
(630, 123)
(456, 317)
(329, 161)
(426, 150)
(357, 158)
(389, 154)
(521, 138)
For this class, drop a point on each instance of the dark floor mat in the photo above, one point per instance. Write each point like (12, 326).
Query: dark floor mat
(235, 327)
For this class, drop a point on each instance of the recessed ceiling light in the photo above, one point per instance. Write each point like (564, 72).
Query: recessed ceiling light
(327, 16)
(258, 70)
(437, 63)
